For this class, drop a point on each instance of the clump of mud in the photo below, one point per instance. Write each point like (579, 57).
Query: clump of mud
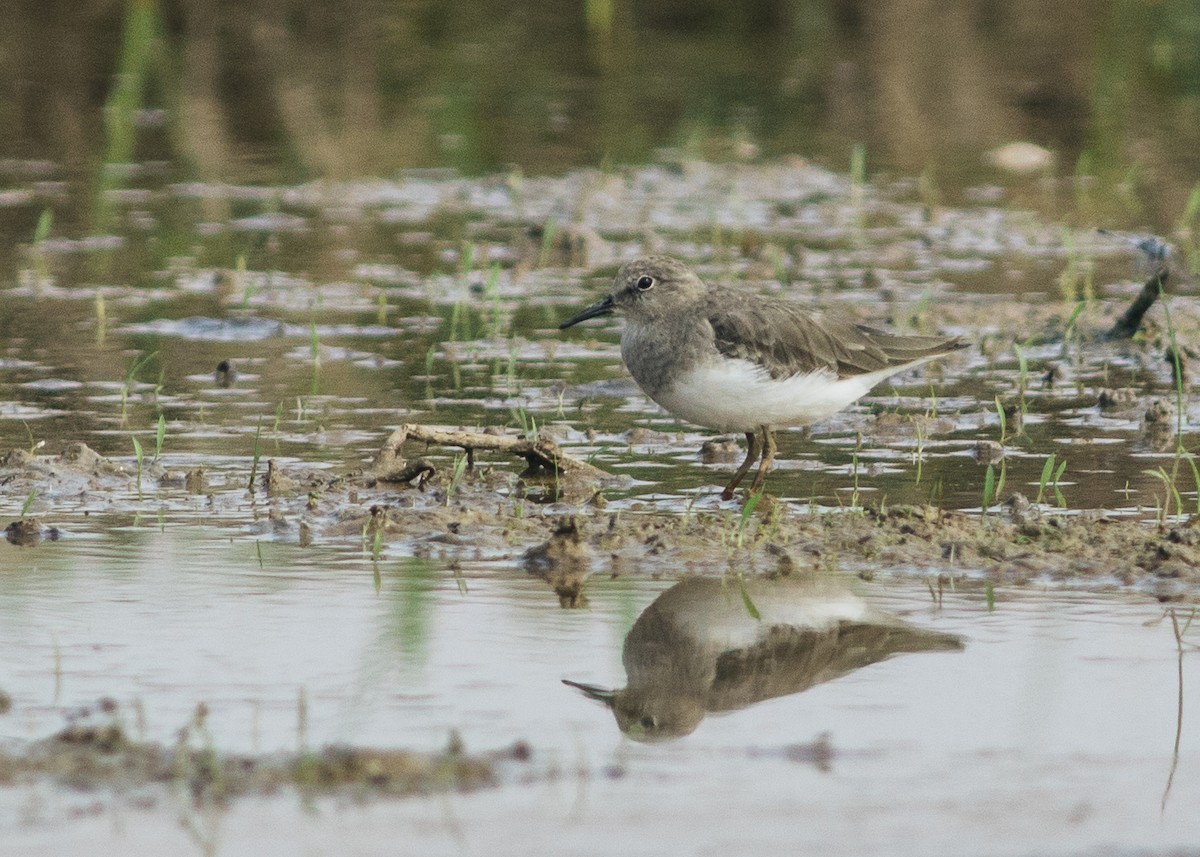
(94, 750)
(27, 532)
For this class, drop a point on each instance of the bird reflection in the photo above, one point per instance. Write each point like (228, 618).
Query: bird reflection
(709, 645)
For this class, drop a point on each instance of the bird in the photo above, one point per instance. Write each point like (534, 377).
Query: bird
(730, 359)
(709, 645)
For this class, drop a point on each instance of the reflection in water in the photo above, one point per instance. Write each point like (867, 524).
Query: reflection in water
(562, 562)
(700, 647)
(27, 532)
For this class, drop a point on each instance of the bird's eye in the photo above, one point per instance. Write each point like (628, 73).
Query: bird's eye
(648, 721)
(644, 284)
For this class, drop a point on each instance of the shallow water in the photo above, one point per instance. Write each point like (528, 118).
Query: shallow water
(1051, 730)
(353, 291)
(332, 351)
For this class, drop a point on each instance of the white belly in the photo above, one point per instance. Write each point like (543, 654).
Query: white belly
(737, 395)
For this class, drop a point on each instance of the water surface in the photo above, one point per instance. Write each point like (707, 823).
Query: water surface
(1052, 729)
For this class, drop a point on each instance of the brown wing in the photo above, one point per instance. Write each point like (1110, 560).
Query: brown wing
(786, 339)
(789, 660)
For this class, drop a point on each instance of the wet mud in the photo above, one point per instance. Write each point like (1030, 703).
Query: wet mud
(515, 445)
(469, 513)
(97, 749)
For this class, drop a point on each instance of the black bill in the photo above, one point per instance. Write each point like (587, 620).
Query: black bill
(592, 691)
(599, 308)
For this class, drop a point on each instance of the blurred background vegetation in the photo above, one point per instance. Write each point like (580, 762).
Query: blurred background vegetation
(149, 151)
(279, 91)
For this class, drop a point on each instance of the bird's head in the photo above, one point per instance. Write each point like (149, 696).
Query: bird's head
(648, 715)
(645, 288)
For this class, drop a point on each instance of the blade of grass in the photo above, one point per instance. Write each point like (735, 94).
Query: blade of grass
(257, 454)
(137, 452)
(159, 436)
(1047, 470)
(747, 511)
(746, 599)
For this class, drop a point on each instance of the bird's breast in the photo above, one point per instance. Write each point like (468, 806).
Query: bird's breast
(656, 352)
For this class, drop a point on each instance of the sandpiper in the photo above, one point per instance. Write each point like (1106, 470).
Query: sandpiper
(732, 360)
(698, 649)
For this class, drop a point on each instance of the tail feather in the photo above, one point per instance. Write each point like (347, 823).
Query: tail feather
(901, 350)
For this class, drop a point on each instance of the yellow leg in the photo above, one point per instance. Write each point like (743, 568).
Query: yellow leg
(768, 460)
(751, 454)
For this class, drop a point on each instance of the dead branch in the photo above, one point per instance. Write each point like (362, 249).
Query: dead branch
(542, 455)
(1127, 325)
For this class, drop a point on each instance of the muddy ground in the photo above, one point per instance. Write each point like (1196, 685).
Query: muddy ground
(467, 513)
(488, 491)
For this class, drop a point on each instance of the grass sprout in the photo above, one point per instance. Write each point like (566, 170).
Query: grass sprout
(1069, 329)
(101, 318)
(989, 488)
(1022, 374)
(747, 601)
(1170, 492)
(34, 445)
(919, 455)
(1044, 480)
(130, 377)
(747, 512)
(160, 435)
(1176, 367)
(1058, 494)
(549, 233)
(381, 308)
(257, 455)
(40, 233)
(137, 453)
(456, 475)
(1075, 282)
(527, 423)
(492, 290)
(1189, 225)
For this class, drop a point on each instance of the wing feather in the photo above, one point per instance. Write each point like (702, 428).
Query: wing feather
(786, 339)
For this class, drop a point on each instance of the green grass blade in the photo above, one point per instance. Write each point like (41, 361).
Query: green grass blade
(1047, 470)
(160, 435)
(28, 504)
(45, 222)
(747, 600)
